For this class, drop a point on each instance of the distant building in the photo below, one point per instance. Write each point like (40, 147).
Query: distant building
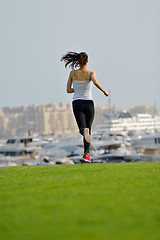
(143, 109)
(50, 118)
(3, 122)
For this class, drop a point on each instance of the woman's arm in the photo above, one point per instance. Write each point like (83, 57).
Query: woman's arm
(69, 84)
(97, 84)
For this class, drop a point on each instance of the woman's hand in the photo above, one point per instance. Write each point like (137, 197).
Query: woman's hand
(106, 93)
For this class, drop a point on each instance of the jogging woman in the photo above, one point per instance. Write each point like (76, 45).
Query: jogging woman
(80, 83)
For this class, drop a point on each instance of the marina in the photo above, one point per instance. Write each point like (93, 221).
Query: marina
(122, 138)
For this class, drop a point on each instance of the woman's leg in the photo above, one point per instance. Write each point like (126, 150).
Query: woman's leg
(89, 117)
(89, 114)
(84, 115)
(78, 110)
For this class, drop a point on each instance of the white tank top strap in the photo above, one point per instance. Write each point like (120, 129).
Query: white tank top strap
(89, 76)
(73, 73)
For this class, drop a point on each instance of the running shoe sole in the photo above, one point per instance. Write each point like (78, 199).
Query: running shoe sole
(87, 136)
(84, 161)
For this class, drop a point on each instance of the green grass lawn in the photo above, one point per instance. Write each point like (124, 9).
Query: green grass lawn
(82, 201)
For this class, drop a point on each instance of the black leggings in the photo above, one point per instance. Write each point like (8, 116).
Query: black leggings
(84, 115)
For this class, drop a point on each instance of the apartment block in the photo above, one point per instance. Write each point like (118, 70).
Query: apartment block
(43, 119)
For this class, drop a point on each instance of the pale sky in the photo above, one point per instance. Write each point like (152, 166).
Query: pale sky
(121, 37)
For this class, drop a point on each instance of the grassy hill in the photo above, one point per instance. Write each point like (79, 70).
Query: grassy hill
(82, 201)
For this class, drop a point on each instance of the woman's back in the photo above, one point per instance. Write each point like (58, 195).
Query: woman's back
(82, 75)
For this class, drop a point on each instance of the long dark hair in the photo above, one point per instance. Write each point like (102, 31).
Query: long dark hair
(74, 59)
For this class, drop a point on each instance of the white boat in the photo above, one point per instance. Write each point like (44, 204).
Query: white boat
(20, 148)
(147, 141)
(126, 123)
(139, 133)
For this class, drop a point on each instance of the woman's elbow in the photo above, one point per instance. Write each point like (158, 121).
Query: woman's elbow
(69, 90)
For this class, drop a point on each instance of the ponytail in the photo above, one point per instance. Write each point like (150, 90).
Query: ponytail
(74, 59)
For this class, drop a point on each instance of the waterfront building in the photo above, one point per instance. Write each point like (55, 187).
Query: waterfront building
(52, 119)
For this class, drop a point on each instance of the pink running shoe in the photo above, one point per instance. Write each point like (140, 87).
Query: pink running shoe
(86, 158)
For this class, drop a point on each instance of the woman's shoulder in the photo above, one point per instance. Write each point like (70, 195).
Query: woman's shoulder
(79, 71)
(92, 72)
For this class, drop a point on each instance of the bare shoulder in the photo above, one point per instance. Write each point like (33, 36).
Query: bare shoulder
(71, 75)
(71, 72)
(93, 76)
(92, 73)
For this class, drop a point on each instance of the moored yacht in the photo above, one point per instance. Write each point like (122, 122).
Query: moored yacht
(19, 147)
(127, 123)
